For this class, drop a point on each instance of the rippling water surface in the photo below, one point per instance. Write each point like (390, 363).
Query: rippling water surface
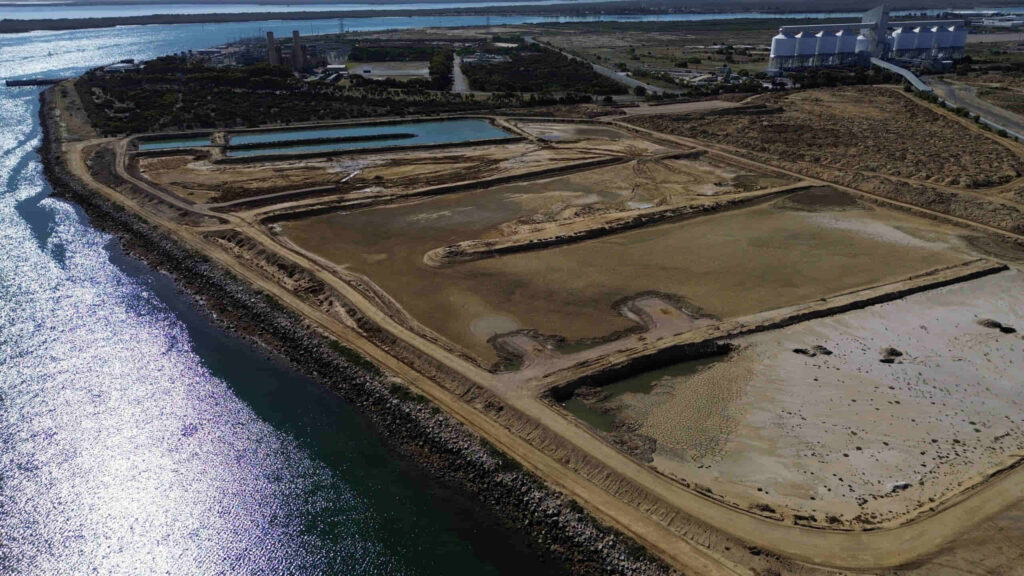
(136, 438)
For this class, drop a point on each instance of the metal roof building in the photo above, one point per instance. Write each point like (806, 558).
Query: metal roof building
(874, 36)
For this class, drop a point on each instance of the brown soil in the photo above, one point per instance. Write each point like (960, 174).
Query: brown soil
(202, 181)
(731, 264)
(862, 129)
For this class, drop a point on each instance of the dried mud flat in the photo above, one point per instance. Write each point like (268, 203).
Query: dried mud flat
(730, 264)
(856, 420)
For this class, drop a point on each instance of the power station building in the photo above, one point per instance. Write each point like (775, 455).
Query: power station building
(874, 36)
(297, 57)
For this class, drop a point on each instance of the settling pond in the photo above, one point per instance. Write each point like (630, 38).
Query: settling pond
(404, 134)
(171, 143)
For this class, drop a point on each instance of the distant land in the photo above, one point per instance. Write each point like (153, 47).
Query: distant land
(578, 9)
(253, 2)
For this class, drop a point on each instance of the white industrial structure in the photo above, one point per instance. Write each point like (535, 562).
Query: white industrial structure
(873, 37)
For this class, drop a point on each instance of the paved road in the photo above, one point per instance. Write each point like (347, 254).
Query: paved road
(459, 85)
(967, 97)
(605, 71)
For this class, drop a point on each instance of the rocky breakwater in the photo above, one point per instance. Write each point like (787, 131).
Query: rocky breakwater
(415, 428)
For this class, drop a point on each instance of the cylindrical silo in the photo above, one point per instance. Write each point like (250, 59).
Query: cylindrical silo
(943, 40)
(863, 44)
(783, 50)
(904, 41)
(956, 47)
(806, 46)
(825, 53)
(925, 40)
(846, 46)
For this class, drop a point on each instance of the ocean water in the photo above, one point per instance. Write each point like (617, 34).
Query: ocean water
(138, 438)
(62, 9)
(232, 31)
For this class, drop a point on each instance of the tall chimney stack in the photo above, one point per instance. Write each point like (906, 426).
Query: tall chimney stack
(298, 62)
(273, 56)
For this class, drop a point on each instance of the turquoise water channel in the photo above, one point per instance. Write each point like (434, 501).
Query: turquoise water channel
(172, 143)
(427, 132)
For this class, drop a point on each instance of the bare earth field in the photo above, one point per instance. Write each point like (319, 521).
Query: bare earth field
(725, 265)
(857, 130)
(836, 434)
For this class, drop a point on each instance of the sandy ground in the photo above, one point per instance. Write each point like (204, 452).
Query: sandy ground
(679, 108)
(858, 130)
(728, 265)
(567, 132)
(845, 437)
(394, 172)
(994, 548)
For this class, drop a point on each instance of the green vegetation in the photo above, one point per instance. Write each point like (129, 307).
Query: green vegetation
(392, 52)
(539, 69)
(170, 94)
(442, 66)
(827, 77)
(507, 39)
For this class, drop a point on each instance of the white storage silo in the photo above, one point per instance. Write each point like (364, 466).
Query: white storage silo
(863, 44)
(956, 46)
(806, 46)
(925, 40)
(825, 53)
(783, 51)
(904, 41)
(846, 46)
(943, 40)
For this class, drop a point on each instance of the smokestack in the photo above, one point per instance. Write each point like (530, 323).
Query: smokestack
(273, 55)
(297, 57)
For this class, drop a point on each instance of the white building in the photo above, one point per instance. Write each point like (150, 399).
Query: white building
(874, 36)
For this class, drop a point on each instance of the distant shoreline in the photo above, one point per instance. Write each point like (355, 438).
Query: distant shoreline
(580, 9)
(8, 26)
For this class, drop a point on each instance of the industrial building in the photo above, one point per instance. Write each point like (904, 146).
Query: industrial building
(855, 43)
(298, 57)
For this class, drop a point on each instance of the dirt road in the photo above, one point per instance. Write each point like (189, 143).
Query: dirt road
(459, 84)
